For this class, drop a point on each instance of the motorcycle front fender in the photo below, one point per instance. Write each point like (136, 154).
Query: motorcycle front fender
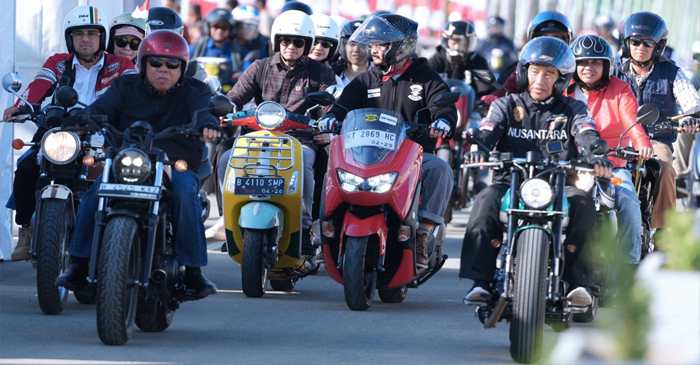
(354, 226)
(261, 215)
(56, 191)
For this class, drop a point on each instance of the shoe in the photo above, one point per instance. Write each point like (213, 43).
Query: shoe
(21, 252)
(422, 259)
(479, 293)
(217, 232)
(311, 266)
(198, 283)
(75, 275)
(316, 233)
(579, 297)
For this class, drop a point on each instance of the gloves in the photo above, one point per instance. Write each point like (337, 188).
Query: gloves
(688, 124)
(601, 161)
(327, 122)
(74, 121)
(476, 156)
(441, 125)
(489, 99)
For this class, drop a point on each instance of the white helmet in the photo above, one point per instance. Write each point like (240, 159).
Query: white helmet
(246, 14)
(85, 17)
(293, 23)
(327, 30)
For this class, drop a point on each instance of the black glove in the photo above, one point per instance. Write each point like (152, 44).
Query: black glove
(78, 120)
(477, 156)
(601, 161)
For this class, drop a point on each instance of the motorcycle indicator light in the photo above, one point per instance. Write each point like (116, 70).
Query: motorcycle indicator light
(60, 147)
(292, 187)
(17, 144)
(328, 228)
(616, 181)
(88, 161)
(536, 193)
(270, 115)
(180, 165)
(404, 233)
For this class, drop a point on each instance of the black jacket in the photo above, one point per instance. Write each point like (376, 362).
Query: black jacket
(414, 89)
(441, 65)
(131, 99)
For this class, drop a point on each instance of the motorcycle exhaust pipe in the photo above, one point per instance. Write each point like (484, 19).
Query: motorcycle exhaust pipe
(496, 314)
(159, 276)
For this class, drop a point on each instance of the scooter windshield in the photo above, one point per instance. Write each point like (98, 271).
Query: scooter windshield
(372, 134)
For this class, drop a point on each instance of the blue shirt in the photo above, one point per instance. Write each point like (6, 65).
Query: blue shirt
(219, 52)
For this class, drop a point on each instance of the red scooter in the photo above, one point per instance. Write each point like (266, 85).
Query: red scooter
(369, 206)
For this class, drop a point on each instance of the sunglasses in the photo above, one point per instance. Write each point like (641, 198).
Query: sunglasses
(297, 42)
(324, 44)
(648, 43)
(170, 63)
(122, 41)
(221, 27)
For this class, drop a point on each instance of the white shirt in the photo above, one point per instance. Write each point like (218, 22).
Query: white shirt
(579, 95)
(86, 79)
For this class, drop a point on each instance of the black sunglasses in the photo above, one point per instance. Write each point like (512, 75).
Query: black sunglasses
(170, 63)
(324, 44)
(297, 42)
(648, 43)
(121, 42)
(221, 26)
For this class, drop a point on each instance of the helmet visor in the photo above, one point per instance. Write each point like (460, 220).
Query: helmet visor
(376, 30)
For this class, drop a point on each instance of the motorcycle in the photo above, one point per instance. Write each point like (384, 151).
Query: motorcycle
(135, 274)
(528, 290)
(62, 182)
(263, 199)
(369, 209)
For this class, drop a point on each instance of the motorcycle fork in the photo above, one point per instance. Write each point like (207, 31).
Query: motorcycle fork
(151, 225)
(100, 221)
(557, 256)
(512, 226)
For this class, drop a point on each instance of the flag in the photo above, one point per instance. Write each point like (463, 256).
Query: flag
(142, 11)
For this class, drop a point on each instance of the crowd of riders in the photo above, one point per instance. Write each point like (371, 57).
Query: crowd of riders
(557, 87)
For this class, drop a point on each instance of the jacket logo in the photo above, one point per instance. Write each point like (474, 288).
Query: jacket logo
(374, 93)
(540, 134)
(518, 113)
(61, 66)
(113, 67)
(415, 92)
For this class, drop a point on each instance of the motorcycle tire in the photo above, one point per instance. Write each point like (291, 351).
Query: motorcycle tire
(52, 243)
(530, 280)
(254, 273)
(117, 293)
(393, 295)
(590, 314)
(282, 285)
(156, 321)
(359, 277)
(84, 298)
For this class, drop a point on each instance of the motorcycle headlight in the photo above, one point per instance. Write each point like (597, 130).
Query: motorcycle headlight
(131, 166)
(536, 193)
(376, 184)
(60, 147)
(584, 181)
(382, 183)
(349, 182)
(270, 115)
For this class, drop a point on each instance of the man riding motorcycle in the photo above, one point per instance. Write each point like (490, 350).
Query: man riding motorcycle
(656, 80)
(91, 72)
(613, 106)
(497, 49)
(162, 96)
(403, 83)
(513, 124)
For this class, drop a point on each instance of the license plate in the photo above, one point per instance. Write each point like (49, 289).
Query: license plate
(370, 138)
(129, 191)
(259, 186)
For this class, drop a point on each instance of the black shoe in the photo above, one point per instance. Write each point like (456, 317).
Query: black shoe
(75, 275)
(198, 284)
(307, 248)
(480, 292)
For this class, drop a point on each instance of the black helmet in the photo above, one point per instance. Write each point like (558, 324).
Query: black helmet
(496, 21)
(593, 47)
(345, 33)
(463, 32)
(400, 32)
(296, 5)
(547, 51)
(160, 18)
(550, 21)
(218, 15)
(645, 24)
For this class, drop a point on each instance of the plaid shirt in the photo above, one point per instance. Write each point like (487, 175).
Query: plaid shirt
(287, 87)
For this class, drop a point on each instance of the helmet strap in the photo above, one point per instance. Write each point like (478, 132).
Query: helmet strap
(642, 64)
(291, 64)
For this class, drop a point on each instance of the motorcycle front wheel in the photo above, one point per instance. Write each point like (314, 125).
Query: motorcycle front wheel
(254, 273)
(52, 243)
(359, 276)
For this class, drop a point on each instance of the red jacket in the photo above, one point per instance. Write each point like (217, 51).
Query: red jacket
(614, 109)
(50, 75)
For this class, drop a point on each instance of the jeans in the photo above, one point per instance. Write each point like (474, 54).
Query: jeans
(437, 187)
(629, 216)
(186, 210)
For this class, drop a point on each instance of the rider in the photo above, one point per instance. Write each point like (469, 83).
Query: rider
(604, 27)
(497, 49)
(613, 106)
(403, 83)
(125, 35)
(354, 57)
(513, 124)
(248, 42)
(164, 97)
(547, 23)
(456, 57)
(91, 72)
(656, 80)
(216, 43)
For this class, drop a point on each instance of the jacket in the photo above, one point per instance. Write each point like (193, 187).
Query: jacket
(414, 89)
(441, 65)
(614, 109)
(132, 99)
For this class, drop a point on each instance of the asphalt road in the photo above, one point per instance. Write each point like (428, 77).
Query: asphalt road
(311, 325)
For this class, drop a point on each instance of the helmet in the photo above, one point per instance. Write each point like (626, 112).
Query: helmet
(293, 23)
(496, 21)
(164, 18)
(593, 47)
(296, 5)
(547, 51)
(460, 31)
(85, 17)
(645, 24)
(246, 14)
(345, 33)
(327, 30)
(163, 43)
(340, 20)
(124, 20)
(603, 21)
(549, 21)
(218, 15)
(400, 32)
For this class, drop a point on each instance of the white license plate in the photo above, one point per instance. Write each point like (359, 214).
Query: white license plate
(129, 191)
(370, 138)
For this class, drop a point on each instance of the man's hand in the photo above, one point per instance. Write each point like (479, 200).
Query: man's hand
(476, 156)
(646, 153)
(602, 166)
(9, 112)
(439, 128)
(327, 122)
(323, 138)
(688, 125)
(209, 134)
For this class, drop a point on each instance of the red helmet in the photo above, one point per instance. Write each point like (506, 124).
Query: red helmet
(163, 43)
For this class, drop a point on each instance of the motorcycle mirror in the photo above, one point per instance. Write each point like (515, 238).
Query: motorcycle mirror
(484, 76)
(220, 105)
(322, 98)
(11, 82)
(214, 84)
(599, 146)
(446, 99)
(474, 135)
(66, 96)
(647, 114)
